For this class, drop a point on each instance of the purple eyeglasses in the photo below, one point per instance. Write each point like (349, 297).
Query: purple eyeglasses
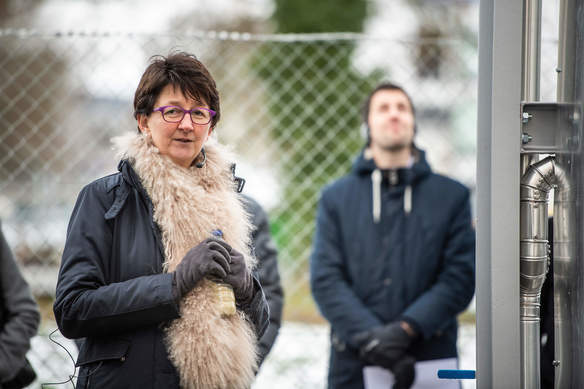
(174, 114)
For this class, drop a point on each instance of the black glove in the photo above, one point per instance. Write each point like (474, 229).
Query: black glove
(239, 277)
(404, 372)
(383, 346)
(208, 258)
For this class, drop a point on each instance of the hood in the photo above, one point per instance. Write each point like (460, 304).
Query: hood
(365, 165)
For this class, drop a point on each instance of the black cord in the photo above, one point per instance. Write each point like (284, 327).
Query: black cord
(72, 360)
(71, 376)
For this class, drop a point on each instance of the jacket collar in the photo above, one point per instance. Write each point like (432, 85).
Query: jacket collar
(364, 165)
(130, 177)
(403, 177)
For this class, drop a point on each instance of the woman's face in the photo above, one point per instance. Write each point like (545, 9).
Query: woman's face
(181, 141)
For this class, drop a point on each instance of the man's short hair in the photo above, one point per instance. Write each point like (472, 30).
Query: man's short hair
(183, 71)
(383, 86)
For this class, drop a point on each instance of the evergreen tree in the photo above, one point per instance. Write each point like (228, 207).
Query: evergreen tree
(315, 101)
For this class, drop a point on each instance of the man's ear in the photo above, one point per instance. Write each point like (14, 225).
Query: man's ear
(143, 123)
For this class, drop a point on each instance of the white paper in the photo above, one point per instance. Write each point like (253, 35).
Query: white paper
(426, 375)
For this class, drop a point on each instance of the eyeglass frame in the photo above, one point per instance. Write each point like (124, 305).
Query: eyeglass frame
(185, 111)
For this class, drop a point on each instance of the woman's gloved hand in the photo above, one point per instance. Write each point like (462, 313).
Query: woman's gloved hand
(210, 258)
(239, 277)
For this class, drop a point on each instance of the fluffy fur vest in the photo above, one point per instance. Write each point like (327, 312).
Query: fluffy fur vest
(210, 351)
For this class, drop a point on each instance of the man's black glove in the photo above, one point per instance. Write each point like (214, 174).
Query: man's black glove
(208, 258)
(404, 372)
(239, 277)
(383, 346)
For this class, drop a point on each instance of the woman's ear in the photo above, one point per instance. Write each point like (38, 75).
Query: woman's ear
(211, 128)
(143, 124)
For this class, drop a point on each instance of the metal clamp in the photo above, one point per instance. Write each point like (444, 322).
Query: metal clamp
(549, 127)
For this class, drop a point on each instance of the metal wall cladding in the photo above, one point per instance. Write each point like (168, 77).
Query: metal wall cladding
(568, 250)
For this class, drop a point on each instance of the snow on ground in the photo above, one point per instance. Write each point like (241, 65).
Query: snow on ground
(299, 359)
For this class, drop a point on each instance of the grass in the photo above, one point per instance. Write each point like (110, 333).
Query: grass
(300, 306)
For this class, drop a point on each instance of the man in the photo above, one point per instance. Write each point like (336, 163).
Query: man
(393, 257)
(19, 321)
(267, 272)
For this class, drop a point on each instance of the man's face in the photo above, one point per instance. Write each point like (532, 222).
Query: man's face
(391, 120)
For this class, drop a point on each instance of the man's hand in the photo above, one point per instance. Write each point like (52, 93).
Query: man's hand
(384, 346)
(404, 372)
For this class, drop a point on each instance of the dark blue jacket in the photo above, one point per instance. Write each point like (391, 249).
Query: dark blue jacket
(112, 290)
(416, 262)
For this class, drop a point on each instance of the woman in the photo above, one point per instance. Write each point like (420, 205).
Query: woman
(139, 267)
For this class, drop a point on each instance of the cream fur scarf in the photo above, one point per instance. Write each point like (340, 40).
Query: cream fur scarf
(210, 351)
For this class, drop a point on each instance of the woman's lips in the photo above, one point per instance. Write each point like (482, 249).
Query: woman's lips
(184, 140)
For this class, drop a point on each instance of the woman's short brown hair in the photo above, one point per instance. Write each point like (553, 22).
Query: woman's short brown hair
(182, 70)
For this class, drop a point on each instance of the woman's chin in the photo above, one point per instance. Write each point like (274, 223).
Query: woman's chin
(182, 160)
(183, 156)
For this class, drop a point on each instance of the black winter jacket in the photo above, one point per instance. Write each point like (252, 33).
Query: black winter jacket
(416, 262)
(19, 315)
(267, 271)
(112, 290)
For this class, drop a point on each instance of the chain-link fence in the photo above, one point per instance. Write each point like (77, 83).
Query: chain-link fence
(290, 109)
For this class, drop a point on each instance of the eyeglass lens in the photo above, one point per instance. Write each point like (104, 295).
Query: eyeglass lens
(176, 114)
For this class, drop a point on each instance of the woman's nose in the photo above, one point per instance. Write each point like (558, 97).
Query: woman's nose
(186, 123)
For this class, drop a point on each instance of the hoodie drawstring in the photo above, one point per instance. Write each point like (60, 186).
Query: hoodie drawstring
(376, 189)
(408, 199)
(376, 186)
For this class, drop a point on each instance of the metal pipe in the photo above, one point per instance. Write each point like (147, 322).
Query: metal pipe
(527, 159)
(538, 180)
(531, 50)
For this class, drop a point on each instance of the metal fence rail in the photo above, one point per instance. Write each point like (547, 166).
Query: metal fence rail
(290, 109)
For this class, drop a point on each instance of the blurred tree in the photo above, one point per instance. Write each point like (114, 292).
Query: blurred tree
(306, 16)
(33, 100)
(437, 23)
(31, 94)
(315, 102)
(11, 9)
